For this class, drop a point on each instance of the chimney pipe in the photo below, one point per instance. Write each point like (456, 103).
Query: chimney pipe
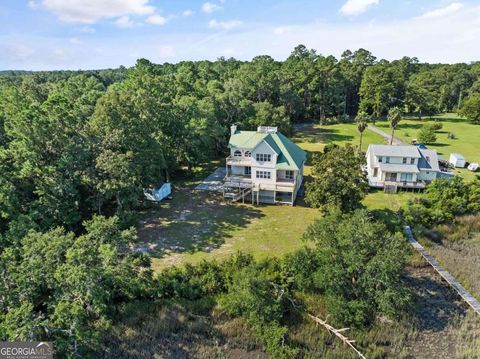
(233, 129)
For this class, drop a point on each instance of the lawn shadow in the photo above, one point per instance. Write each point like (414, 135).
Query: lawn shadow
(310, 134)
(193, 221)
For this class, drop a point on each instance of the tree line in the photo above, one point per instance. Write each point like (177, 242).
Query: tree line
(77, 149)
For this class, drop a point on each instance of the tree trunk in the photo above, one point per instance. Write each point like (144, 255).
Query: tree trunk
(393, 132)
(360, 145)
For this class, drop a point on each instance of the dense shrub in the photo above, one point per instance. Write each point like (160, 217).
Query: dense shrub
(360, 267)
(442, 201)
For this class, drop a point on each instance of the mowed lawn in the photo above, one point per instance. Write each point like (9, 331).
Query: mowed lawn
(199, 225)
(466, 141)
(313, 138)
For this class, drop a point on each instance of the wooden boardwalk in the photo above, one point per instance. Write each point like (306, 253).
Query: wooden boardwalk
(467, 297)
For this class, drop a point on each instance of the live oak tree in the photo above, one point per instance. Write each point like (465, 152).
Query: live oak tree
(64, 288)
(360, 267)
(338, 179)
(471, 108)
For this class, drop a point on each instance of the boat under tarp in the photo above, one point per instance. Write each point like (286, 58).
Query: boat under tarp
(159, 194)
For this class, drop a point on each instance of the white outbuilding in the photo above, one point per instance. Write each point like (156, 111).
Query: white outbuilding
(457, 160)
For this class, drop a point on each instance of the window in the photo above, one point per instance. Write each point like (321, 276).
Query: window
(380, 159)
(237, 153)
(248, 171)
(406, 177)
(387, 160)
(289, 175)
(263, 174)
(247, 154)
(412, 161)
(262, 157)
(404, 159)
(375, 172)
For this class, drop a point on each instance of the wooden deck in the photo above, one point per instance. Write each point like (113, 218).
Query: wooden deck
(466, 296)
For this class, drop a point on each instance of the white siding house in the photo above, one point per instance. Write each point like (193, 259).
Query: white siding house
(263, 166)
(401, 166)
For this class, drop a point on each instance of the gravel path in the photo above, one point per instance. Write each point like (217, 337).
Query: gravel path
(396, 140)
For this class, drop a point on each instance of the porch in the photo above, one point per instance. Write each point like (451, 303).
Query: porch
(397, 184)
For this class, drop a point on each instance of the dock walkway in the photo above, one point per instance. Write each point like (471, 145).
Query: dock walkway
(467, 297)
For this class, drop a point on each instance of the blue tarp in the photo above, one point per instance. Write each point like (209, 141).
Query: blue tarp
(158, 194)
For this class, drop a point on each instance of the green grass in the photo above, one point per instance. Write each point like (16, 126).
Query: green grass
(313, 138)
(221, 229)
(201, 225)
(466, 140)
(393, 201)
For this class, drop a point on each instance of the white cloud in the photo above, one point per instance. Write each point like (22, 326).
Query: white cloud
(124, 21)
(224, 25)
(90, 11)
(156, 20)
(357, 7)
(209, 7)
(444, 11)
(440, 39)
(188, 13)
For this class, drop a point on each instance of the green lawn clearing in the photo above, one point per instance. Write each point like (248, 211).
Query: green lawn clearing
(466, 141)
(197, 225)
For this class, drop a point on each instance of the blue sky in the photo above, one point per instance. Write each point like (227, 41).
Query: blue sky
(88, 34)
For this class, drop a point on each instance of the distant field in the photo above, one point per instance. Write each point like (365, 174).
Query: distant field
(467, 135)
(313, 138)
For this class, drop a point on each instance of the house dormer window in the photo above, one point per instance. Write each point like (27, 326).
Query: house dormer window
(263, 157)
(412, 161)
(404, 159)
(247, 154)
(387, 160)
(380, 159)
(237, 153)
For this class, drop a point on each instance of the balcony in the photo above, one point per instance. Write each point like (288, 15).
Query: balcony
(238, 181)
(398, 184)
(239, 161)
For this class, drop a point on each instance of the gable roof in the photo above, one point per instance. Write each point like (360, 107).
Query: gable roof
(290, 155)
(395, 151)
(427, 159)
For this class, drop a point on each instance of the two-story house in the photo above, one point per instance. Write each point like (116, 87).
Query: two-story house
(405, 166)
(264, 166)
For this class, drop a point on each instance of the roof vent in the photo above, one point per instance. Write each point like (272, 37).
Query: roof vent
(267, 129)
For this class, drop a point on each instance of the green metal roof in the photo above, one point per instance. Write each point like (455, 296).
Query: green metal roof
(290, 156)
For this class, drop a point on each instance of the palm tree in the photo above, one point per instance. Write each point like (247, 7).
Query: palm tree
(361, 126)
(394, 117)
